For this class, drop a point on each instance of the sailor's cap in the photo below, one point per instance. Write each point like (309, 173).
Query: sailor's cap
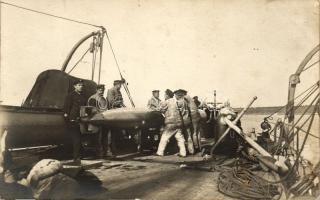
(78, 81)
(116, 82)
(155, 91)
(100, 86)
(180, 91)
(169, 93)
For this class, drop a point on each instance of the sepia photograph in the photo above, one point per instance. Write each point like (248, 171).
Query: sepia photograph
(160, 99)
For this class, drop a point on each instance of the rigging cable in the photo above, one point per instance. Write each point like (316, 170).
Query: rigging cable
(280, 145)
(314, 86)
(114, 55)
(310, 66)
(116, 61)
(291, 133)
(129, 95)
(301, 149)
(51, 15)
(302, 130)
(79, 60)
(286, 176)
(305, 98)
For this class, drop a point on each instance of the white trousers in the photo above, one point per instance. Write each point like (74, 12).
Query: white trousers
(167, 134)
(190, 141)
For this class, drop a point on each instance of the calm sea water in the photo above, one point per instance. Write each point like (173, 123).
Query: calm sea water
(312, 147)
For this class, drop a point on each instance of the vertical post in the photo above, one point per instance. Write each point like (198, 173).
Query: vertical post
(94, 53)
(215, 104)
(100, 58)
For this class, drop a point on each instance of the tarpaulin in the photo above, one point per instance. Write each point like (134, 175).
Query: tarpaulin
(52, 87)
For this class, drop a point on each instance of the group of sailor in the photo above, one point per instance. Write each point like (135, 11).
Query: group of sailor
(181, 120)
(179, 110)
(76, 99)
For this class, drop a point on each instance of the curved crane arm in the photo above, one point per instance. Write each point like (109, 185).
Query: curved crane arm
(307, 59)
(75, 47)
(294, 80)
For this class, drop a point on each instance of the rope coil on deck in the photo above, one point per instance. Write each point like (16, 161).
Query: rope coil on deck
(242, 183)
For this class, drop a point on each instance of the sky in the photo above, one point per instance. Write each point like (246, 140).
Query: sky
(240, 48)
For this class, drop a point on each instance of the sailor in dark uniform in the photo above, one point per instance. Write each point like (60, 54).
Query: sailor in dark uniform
(264, 138)
(114, 95)
(73, 102)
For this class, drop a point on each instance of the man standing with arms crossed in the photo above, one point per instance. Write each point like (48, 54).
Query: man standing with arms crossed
(73, 102)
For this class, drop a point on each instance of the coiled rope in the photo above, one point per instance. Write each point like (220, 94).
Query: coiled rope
(241, 183)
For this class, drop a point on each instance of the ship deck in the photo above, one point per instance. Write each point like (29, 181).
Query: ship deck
(149, 177)
(138, 176)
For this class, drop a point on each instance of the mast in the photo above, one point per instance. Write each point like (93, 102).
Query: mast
(215, 105)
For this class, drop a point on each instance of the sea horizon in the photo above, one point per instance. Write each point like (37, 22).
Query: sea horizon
(267, 110)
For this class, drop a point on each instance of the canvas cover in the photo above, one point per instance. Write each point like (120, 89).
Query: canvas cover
(51, 88)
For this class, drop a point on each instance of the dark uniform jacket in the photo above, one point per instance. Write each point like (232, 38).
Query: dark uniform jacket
(114, 98)
(72, 104)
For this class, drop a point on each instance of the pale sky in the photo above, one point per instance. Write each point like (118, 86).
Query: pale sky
(241, 48)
